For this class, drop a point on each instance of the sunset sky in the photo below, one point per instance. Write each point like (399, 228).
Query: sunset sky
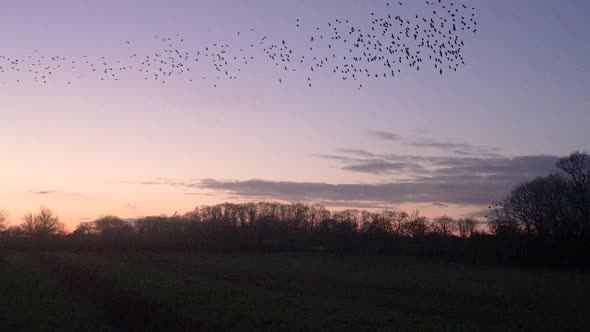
(447, 144)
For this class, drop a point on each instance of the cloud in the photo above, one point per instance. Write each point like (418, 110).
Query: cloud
(352, 205)
(468, 175)
(480, 191)
(343, 159)
(480, 214)
(458, 155)
(58, 194)
(357, 152)
(42, 192)
(379, 166)
(130, 206)
(440, 181)
(438, 204)
(451, 166)
(431, 143)
(522, 166)
(458, 148)
(437, 180)
(188, 183)
(200, 194)
(386, 135)
(162, 182)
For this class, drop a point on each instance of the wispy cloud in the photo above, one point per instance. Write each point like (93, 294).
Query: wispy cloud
(466, 192)
(380, 166)
(357, 152)
(58, 194)
(480, 213)
(466, 175)
(438, 180)
(439, 167)
(453, 147)
(385, 135)
(200, 194)
(42, 192)
(437, 144)
(438, 204)
(163, 182)
(160, 182)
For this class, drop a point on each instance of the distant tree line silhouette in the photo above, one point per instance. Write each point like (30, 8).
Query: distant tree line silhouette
(542, 221)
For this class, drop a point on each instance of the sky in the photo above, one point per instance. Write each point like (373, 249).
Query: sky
(448, 144)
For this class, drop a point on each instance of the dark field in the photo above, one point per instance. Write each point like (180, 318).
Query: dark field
(174, 291)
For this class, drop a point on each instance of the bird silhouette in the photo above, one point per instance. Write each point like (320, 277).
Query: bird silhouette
(375, 49)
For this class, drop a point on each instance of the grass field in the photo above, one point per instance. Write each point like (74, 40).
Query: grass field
(303, 292)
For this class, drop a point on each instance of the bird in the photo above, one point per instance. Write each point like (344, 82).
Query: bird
(374, 49)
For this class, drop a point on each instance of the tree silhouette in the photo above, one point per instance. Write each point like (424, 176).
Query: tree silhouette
(3, 216)
(541, 220)
(45, 223)
(577, 166)
(466, 227)
(416, 225)
(111, 225)
(444, 226)
(555, 206)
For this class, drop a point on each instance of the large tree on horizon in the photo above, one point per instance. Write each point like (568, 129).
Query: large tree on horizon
(45, 223)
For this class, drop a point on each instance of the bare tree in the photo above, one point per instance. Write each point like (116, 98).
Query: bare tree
(111, 225)
(45, 223)
(444, 226)
(14, 231)
(350, 216)
(577, 166)
(540, 207)
(396, 219)
(415, 225)
(466, 227)
(501, 222)
(85, 228)
(375, 223)
(3, 216)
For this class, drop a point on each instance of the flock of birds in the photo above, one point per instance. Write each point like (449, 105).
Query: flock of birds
(377, 49)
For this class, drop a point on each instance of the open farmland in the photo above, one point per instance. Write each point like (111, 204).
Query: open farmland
(153, 291)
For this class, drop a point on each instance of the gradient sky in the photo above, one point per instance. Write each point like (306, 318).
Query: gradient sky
(447, 144)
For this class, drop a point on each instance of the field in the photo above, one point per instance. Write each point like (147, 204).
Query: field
(281, 291)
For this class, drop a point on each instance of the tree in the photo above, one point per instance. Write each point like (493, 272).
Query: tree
(85, 228)
(577, 166)
(533, 204)
(396, 219)
(376, 223)
(466, 227)
(415, 225)
(45, 223)
(3, 216)
(111, 226)
(444, 226)
(544, 207)
(14, 231)
(501, 222)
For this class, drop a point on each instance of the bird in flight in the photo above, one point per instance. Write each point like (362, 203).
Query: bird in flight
(376, 49)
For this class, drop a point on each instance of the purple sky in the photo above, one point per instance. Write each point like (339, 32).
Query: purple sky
(133, 147)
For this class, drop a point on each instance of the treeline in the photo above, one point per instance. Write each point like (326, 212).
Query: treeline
(553, 207)
(543, 221)
(264, 223)
(548, 217)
